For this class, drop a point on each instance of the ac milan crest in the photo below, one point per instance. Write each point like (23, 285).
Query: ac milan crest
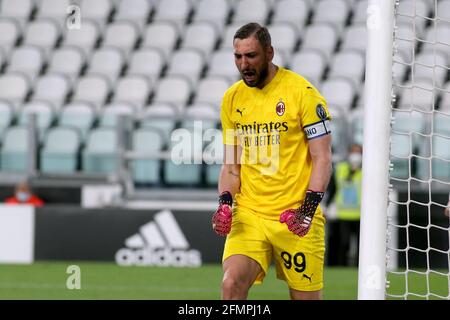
(280, 108)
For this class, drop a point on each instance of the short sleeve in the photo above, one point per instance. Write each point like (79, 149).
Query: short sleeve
(228, 130)
(315, 117)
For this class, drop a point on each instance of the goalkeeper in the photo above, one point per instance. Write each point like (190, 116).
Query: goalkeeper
(277, 164)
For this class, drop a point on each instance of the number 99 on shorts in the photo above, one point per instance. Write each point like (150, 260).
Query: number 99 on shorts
(296, 261)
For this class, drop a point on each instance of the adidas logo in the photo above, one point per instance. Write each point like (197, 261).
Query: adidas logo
(159, 243)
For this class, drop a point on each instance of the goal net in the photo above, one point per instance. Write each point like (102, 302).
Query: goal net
(417, 227)
(404, 243)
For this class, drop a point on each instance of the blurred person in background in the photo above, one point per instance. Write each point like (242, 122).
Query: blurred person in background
(23, 194)
(348, 177)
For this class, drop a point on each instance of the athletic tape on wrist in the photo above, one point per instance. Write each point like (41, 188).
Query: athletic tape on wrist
(312, 200)
(226, 198)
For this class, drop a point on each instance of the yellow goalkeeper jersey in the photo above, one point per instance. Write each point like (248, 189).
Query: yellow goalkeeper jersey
(273, 126)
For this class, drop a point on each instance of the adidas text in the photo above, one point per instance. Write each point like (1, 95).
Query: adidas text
(158, 257)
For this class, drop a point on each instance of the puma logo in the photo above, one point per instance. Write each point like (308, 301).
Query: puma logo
(308, 277)
(240, 111)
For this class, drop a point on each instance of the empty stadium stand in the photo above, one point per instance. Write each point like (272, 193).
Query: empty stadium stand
(139, 71)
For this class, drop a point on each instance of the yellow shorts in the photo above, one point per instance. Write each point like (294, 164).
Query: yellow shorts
(298, 261)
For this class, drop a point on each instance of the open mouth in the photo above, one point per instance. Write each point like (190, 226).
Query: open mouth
(249, 76)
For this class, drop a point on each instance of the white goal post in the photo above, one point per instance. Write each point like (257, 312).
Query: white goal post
(377, 114)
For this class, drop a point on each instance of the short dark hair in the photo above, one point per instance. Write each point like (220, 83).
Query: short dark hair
(261, 33)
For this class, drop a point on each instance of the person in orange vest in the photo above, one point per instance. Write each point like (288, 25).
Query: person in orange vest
(348, 204)
(24, 195)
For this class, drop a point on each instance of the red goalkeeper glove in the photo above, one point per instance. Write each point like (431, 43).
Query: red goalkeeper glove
(221, 220)
(299, 220)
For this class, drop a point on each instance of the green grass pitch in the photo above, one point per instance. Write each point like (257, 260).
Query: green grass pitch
(47, 280)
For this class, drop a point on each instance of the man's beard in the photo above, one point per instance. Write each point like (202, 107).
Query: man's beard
(259, 80)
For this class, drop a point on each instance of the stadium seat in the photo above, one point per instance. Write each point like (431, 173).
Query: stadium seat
(284, 38)
(322, 37)
(162, 35)
(14, 88)
(6, 117)
(441, 158)
(411, 128)
(97, 11)
(60, 151)
(162, 117)
(107, 62)
(356, 120)
(222, 64)
(134, 90)
(56, 10)
(335, 12)
(443, 11)
(228, 35)
(111, 114)
(100, 154)
(338, 92)
(280, 60)
(201, 36)
(188, 63)
(438, 38)
(185, 165)
(400, 67)
(27, 60)
(176, 11)
(415, 13)
(355, 37)
(2, 58)
(92, 89)
(52, 88)
(135, 11)
(360, 12)
(445, 98)
(42, 33)
(146, 171)
(339, 127)
(431, 65)
(408, 122)
(9, 34)
(349, 64)
(84, 38)
(121, 35)
(14, 150)
(58, 63)
(19, 10)
(44, 112)
(441, 124)
(200, 115)
(251, 10)
(405, 41)
(175, 90)
(295, 12)
(309, 63)
(147, 62)
(212, 11)
(401, 150)
(80, 116)
(211, 90)
(419, 95)
(213, 156)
